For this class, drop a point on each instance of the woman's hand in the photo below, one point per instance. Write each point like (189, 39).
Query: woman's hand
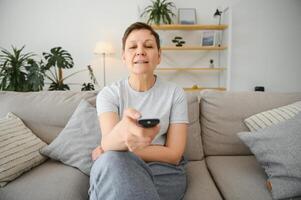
(125, 135)
(97, 152)
(135, 136)
(141, 137)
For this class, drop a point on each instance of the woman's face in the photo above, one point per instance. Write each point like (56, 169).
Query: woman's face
(141, 54)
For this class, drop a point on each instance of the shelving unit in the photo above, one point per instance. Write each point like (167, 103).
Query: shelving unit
(190, 69)
(193, 48)
(204, 88)
(190, 27)
(186, 48)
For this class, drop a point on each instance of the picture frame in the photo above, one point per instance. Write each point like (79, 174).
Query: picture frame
(208, 38)
(187, 16)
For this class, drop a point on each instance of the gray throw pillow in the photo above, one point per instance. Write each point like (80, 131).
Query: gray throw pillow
(73, 146)
(278, 150)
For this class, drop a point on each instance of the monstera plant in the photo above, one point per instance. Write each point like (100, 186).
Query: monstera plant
(159, 12)
(57, 60)
(19, 71)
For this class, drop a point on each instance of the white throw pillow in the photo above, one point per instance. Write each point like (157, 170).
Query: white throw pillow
(19, 149)
(272, 117)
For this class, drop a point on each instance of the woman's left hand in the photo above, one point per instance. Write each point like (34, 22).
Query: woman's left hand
(97, 152)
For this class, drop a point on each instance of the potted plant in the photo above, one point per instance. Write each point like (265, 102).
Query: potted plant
(19, 71)
(89, 86)
(159, 11)
(57, 60)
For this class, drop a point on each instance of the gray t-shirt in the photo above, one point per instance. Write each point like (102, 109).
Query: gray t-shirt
(164, 100)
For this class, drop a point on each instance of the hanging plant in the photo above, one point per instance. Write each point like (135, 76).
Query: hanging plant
(159, 12)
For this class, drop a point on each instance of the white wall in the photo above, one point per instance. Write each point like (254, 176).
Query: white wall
(266, 45)
(265, 35)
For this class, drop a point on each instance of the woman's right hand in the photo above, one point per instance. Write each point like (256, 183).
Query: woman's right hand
(135, 136)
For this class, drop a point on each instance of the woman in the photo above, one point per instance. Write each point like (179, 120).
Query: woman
(134, 162)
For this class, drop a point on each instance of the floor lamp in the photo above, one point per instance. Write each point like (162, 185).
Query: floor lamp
(104, 49)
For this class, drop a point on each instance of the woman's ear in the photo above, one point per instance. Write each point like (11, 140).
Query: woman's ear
(159, 56)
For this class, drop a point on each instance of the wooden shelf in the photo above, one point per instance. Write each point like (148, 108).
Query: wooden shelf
(193, 48)
(189, 69)
(190, 27)
(203, 88)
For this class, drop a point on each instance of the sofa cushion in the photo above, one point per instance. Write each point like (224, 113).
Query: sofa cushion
(239, 177)
(278, 150)
(49, 181)
(194, 148)
(45, 113)
(200, 185)
(19, 149)
(223, 113)
(73, 146)
(272, 117)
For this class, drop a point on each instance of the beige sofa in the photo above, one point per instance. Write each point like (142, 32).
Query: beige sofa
(220, 165)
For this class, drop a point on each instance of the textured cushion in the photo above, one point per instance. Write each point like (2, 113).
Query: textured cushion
(194, 148)
(50, 181)
(200, 185)
(223, 113)
(278, 150)
(73, 146)
(272, 117)
(19, 149)
(239, 177)
(45, 113)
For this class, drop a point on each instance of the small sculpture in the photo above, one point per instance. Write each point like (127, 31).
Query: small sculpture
(178, 41)
(211, 65)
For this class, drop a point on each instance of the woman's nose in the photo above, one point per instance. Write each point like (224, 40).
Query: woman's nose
(140, 51)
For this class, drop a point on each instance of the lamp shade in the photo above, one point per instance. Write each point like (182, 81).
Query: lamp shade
(104, 48)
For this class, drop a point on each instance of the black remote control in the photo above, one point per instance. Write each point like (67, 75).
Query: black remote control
(148, 123)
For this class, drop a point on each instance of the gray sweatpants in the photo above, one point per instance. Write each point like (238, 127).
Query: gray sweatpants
(124, 176)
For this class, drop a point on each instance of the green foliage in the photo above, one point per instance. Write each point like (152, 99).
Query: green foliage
(57, 60)
(159, 11)
(58, 86)
(87, 87)
(35, 76)
(19, 72)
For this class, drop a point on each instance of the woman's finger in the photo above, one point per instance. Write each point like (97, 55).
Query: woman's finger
(131, 113)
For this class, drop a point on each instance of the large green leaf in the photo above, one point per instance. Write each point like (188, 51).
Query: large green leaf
(58, 57)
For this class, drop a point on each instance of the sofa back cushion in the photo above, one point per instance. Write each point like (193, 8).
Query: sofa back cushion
(45, 113)
(223, 113)
(194, 148)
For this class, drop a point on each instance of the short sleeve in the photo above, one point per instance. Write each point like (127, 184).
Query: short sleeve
(107, 101)
(179, 106)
